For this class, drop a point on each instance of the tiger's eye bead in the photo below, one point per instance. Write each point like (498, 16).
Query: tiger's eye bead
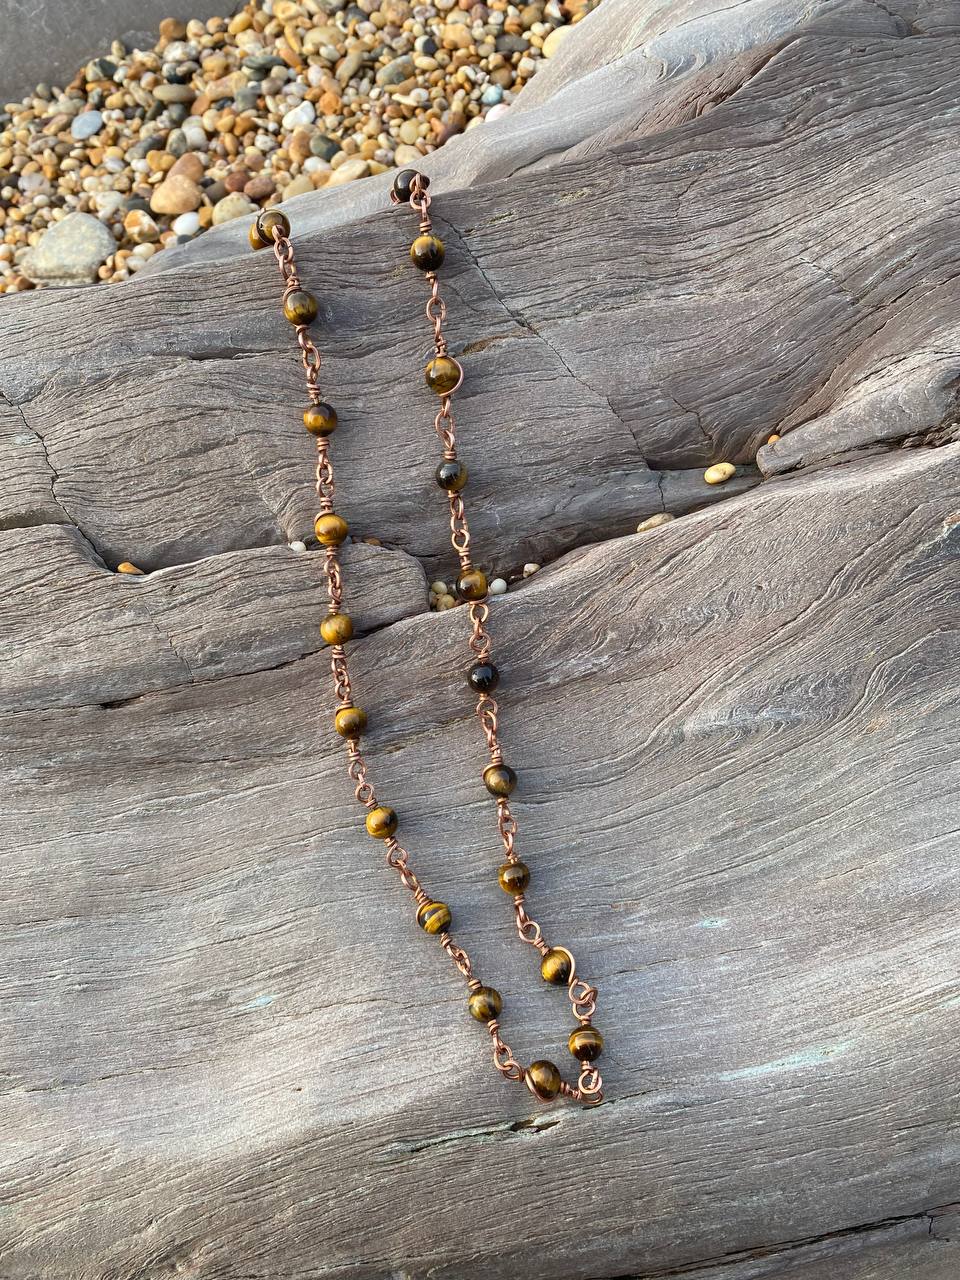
(442, 374)
(483, 677)
(499, 779)
(330, 529)
(472, 584)
(434, 917)
(451, 475)
(300, 307)
(556, 966)
(350, 722)
(261, 233)
(586, 1044)
(427, 252)
(320, 419)
(484, 1004)
(403, 183)
(335, 628)
(514, 877)
(543, 1080)
(381, 822)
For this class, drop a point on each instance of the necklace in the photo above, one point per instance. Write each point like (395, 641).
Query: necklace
(444, 376)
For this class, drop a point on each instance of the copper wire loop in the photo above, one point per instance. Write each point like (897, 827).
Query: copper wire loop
(582, 996)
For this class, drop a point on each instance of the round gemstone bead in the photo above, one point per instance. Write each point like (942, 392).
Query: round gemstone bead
(330, 529)
(483, 677)
(427, 252)
(350, 722)
(585, 1043)
(442, 374)
(543, 1080)
(403, 183)
(451, 475)
(335, 628)
(381, 822)
(472, 584)
(261, 233)
(499, 779)
(320, 419)
(434, 917)
(557, 966)
(514, 877)
(300, 307)
(484, 1004)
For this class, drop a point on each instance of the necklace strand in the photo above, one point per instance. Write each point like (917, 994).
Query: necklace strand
(444, 375)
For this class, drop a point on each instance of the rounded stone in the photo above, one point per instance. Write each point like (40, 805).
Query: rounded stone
(514, 877)
(556, 966)
(300, 307)
(483, 677)
(350, 722)
(427, 252)
(585, 1043)
(434, 917)
(499, 779)
(451, 475)
(330, 529)
(484, 1004)
(472, 584)
(719, 473)
(336, 628)
(543, 1079)
(654, 522)
(381, 822)
(320, 419)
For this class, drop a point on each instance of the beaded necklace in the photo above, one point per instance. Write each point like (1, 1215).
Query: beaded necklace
(444, 376)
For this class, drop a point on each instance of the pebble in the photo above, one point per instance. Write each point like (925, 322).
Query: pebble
(235, 205)
(772, 439)
(446, 602)
(719, 473)
(126, 567)
(529, 569)
(175, 195)
(297, 546)
(654, 522)
(438, 588)
(283, 98)
(498, 587)
(86, 125)
(70, 252)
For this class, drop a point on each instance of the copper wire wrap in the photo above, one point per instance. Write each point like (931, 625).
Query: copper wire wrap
(583, 996)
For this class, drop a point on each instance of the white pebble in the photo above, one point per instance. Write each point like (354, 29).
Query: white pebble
(529, 569)
(297, 545)
(188, 224)
(498, 587)
(300, 115)
(438, 588)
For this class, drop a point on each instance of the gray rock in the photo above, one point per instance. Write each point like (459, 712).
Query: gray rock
(396, 72)
(70, 251)
(86, 125)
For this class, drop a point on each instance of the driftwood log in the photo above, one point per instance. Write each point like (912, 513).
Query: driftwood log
(226, 1050)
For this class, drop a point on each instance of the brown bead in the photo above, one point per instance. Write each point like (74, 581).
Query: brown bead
(434, 917)
(499, 779)
(472, 584)
(320, 419)
(300, 307)
(443, 373)
(335, 628)
(557, 966)
(381, 822)
(585, 1043)
(484, 1004)
(330, 529)
(543, 1080)
(514, 877)
(451, 475)
(261, 233)
(427, 252)
(350, 722)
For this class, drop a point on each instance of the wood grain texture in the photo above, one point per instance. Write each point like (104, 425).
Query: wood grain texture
(227, 1053)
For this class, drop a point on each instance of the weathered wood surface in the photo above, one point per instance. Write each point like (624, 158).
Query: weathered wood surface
(227, 1051)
